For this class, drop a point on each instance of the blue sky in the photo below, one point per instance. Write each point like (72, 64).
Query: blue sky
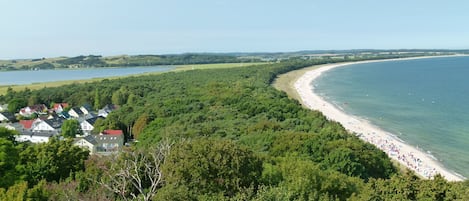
(50, 28)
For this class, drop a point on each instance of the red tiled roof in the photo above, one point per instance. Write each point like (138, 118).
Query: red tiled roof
(27, 123)
(56, 105)
(112, 132)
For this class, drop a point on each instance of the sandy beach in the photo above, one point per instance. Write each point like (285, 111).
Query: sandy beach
(420, 162)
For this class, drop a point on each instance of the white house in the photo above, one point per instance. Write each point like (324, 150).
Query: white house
(35, 137)
(106, 110)
(75, 112)
(87, 125)
(38, 109)
(59, 107)
(109, 141)
(87, 142)
(86, 109)
(48, 125)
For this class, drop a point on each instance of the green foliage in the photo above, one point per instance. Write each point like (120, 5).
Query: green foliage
(211, 166)
(70, 128)
(8, 159)
(52, 161)
(8, 134)
(16, 104)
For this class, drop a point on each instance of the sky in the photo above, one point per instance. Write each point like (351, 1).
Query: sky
(52, 28)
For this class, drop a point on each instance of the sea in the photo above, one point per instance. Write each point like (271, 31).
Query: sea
(424, 102)
(39, 76)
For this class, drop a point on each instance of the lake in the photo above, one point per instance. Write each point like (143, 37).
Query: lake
(29, 77)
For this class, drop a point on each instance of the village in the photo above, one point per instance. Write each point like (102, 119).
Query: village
(38, 124)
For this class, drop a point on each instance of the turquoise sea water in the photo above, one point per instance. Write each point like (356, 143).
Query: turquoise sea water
(29, 77)
(425, 102)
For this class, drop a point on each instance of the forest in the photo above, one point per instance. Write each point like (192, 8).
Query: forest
(216, 134)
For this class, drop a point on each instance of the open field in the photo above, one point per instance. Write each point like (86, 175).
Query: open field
(34, 86)
(285, 82)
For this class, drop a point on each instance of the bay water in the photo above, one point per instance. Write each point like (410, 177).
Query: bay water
(424, 102)
(30, 77)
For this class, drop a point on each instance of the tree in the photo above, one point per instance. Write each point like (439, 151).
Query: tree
(137, 174)
(33, 100)
(8, 160)
(97, 99)
(16, 104)
(8, 134)
(70, 128)
(212, 166)
(119, 97)
(52, 161)
(140, 124)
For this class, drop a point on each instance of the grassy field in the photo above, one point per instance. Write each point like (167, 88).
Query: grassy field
(286, 82)
(34, 86)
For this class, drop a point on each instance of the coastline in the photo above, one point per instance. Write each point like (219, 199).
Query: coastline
(417, 160)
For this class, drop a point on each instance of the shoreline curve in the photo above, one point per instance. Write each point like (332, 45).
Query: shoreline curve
(416, 160)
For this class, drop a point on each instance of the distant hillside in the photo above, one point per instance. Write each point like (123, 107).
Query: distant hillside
(119, 61)
(207, 58)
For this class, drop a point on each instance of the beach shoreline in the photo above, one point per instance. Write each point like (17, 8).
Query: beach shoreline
(413, 158)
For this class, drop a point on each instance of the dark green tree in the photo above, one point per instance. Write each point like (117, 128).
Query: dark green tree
(9, 158)
(16, 104)
(211, 166)
(70, 128)
(52, 161)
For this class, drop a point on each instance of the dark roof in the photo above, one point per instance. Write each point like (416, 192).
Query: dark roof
(110, 107)
(38, 107)
(9, 116)
(87, 107)
(39, 133)
(88, 138)
(55, 123)
(77, 110)
(93, 120)
(64, 115)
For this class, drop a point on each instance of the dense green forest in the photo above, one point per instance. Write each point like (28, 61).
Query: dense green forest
(220, 134)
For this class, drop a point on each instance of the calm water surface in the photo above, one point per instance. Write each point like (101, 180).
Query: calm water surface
(425, 102)
(29, 77)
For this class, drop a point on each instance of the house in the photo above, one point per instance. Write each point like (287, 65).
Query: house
(86, 109)
(106, 110)
(87, 125)
(6, 116)
(64, 115)
(87, 142)
(75, 112)
(109, 141)
(91, 115)
(49, 125)
(59, 107)
(35, 137)
(3, 107)
(38, 109)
